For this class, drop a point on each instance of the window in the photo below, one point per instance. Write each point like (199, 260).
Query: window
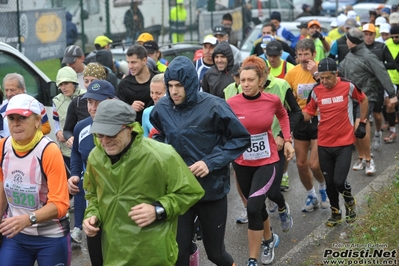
(11, 64)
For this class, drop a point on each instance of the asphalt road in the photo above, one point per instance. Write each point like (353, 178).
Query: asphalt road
(305, 224)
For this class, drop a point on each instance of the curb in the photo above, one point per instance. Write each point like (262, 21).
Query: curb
(293, 257)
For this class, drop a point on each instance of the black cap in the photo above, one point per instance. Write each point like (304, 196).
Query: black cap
(275, 15)
(303, 25)
(219, 29)
(274, 48)
(327, 64)
(235, 70)
(151, 46)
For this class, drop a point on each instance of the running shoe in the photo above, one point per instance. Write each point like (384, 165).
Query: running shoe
(376, 142)
(390, 137)
(370, 167)
(76, 235)
(285, 183)
(268, 249)
(335, 219)
(252, 262)
(310, 204)
(325, 202)
(272, 206)
(359, 165)
(350, 208)
(286, 218)
(243, 219)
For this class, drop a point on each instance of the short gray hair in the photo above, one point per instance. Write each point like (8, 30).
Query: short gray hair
(357, 33)
(18, 77)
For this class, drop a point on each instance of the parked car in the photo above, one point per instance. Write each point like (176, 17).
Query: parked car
(366, 7)
(330, 6)
(169, 51)
(261, 10)
(37, 83)
(256, 32)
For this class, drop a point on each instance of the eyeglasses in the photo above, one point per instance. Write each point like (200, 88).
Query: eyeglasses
(100, 136)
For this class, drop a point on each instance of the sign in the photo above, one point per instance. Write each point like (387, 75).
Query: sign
(48, 27)
(42, 32)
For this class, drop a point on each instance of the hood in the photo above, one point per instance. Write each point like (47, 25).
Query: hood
(224, 49)
(68, 16)
(182, 69)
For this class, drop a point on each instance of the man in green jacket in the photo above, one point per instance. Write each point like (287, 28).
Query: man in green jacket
(136, 188)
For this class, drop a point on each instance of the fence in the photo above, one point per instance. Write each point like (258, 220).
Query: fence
(33, 28)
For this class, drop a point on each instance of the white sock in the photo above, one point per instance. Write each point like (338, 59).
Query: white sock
(286, 173)
(377, 133)
(312, 192)
(322, 186)
(392, 129)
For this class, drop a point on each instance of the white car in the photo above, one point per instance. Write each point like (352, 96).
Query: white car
(362, 8)
(256, 32)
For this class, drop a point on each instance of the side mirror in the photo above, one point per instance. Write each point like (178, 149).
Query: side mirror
(53, 90)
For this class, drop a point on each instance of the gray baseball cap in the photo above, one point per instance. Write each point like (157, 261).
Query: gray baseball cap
(111, 115)
(71, 53)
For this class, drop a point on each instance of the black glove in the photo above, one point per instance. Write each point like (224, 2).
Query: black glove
(360, 130)
(318, 35)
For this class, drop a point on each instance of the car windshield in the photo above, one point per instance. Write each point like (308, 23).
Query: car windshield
(249, 41)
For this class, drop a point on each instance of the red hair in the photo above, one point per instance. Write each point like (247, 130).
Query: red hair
(255, 63)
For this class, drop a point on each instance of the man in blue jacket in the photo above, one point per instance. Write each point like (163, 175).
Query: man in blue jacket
(208, 136)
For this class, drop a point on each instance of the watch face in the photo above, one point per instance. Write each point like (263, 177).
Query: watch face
(32, 218)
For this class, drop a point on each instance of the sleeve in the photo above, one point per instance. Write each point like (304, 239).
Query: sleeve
(334, 50)
(204, 83)
(54, 169)
(236, 137)
(311, 106)
(382, 75)
(70, 120)
(357, 93)
(288, 35)
(294, 111)
(76, 165)
(283, 119)
(56, 119)
(291, 60)
(183, 189)
(46, 127)
(158, 134)
(90, 186)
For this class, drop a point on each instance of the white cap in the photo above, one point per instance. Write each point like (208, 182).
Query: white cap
(380, 20)
(352, 14)
(334, 23)
(23, 104)
(394, 18)
(385, 28)
(341, 20)
(210, 39)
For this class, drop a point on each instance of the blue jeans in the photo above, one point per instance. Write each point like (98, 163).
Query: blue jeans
(26, 249)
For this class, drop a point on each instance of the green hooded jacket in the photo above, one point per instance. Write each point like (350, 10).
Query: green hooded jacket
(148, 172)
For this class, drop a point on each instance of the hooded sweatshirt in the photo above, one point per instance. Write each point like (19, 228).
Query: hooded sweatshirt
(201, 128)
(215, 81)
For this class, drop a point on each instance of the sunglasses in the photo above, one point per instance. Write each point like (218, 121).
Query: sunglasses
(100, 136)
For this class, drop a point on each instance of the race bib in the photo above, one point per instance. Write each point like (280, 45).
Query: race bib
(304, 90)
(260, 148)
(22, 195)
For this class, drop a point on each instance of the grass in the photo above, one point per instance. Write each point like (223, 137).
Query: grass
(49, 67)
(379, 223)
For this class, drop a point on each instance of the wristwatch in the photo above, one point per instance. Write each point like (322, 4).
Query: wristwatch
(159, 212)
(315, 74)
(32, 218)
